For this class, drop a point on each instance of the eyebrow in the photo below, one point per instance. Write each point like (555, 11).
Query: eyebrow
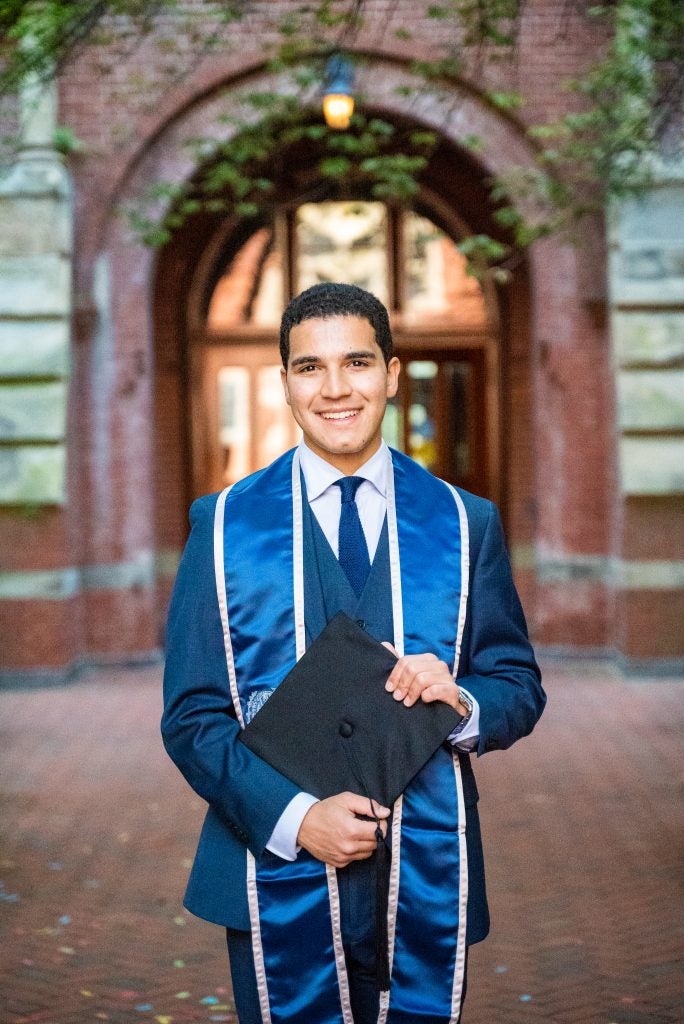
(362, 354)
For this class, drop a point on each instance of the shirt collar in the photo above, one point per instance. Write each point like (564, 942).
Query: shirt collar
(319, 475)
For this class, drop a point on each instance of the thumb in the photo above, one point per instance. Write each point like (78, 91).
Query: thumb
(358, 804)
(390, 647)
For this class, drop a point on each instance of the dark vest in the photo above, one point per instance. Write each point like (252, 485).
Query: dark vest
(328, 591)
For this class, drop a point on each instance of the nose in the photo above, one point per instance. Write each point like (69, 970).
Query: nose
(335, 384)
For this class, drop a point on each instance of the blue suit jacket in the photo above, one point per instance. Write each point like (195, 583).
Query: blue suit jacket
(245, 795)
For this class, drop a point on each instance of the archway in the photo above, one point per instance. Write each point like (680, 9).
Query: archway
(220, 287)
(184, 274)
(131, 454)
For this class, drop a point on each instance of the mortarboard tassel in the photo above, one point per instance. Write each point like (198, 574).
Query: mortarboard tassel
(382, 868)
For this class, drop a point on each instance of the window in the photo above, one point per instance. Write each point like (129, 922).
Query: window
(443, 415)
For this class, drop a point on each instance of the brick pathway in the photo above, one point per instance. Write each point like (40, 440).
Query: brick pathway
(580, 824)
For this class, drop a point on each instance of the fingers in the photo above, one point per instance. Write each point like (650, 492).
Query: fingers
(446, 692)
(415, 673)
(361, 805)
(334, 834)
(341, 860)
(390, 647)
(407, 669)
(359, 840)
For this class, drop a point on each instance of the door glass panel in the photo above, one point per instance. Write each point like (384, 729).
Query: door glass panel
(275, 430)
(251, 290)
(393, 424)
(438, 288)
(234, 422)
(422, 428)
(253, 422)
(438, 418)
(458, 380)
(269, 298)
(344, 242)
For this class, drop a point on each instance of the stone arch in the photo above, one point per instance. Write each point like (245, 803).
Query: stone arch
(125, 273)
(461, 109)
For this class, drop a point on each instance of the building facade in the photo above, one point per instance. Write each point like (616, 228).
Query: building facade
(133, 379)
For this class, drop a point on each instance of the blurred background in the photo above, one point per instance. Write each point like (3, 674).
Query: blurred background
(174, 183)
(508, 178)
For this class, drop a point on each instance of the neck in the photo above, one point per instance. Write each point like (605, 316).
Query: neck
(347, 463)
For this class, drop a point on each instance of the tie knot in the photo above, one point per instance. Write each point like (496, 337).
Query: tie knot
(349, 485)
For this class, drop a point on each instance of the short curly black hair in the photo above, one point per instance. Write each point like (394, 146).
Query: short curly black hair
(323, 301)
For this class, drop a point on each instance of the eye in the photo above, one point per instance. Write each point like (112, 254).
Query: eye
(359, 362)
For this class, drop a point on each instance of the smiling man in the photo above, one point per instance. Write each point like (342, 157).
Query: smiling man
(337, 381)
(342, 523)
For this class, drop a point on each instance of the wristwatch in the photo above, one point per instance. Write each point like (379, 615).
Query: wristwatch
(467, 701)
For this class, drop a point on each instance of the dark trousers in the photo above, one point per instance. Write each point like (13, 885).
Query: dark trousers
(357, 903)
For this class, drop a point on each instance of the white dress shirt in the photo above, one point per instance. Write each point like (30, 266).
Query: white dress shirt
(325, 501)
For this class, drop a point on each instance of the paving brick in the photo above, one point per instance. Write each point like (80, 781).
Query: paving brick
(580, 824)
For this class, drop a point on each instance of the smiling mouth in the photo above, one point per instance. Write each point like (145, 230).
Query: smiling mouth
(344, 414)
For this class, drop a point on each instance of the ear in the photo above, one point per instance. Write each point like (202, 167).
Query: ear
(393, 370)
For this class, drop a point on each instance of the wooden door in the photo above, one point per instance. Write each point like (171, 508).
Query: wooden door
(241, 421)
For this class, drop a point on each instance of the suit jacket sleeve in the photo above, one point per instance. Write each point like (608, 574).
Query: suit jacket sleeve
(199, 726)
(499, 668)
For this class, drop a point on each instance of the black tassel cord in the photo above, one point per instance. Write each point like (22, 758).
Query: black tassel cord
(382, 870)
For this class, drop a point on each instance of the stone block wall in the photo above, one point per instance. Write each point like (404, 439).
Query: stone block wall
(39, 584)
(647, 315)
(35, 313)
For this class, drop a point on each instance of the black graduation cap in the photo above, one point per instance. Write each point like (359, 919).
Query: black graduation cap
(330, 727)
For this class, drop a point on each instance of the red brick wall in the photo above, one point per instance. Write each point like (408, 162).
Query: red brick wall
(127, 446)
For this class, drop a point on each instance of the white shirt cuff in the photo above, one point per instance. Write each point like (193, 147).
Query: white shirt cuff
(466, 739)
(283, 841)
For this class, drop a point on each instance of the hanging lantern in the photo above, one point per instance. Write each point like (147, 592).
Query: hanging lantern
(338, 94)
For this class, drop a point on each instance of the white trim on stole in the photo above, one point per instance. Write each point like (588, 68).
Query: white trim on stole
(252, 899)
(220, 574)
(398, 631)
(459, 971)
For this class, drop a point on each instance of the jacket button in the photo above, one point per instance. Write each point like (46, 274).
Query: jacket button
(346, 729)
(361, 623)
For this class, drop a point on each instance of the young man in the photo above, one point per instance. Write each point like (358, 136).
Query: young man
(342, 523)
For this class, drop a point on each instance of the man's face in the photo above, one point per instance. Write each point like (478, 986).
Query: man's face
(337, 386)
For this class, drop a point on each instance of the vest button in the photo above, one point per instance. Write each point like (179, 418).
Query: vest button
(346, 730)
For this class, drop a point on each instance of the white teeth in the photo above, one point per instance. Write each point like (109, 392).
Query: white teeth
(338, 415)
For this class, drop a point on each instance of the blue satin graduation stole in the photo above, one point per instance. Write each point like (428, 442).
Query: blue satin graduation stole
(294, 907)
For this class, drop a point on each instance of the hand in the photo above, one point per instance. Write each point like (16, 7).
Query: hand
(423, 677)
(332, 832)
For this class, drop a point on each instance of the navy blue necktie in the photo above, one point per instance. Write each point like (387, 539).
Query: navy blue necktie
(353, 550)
